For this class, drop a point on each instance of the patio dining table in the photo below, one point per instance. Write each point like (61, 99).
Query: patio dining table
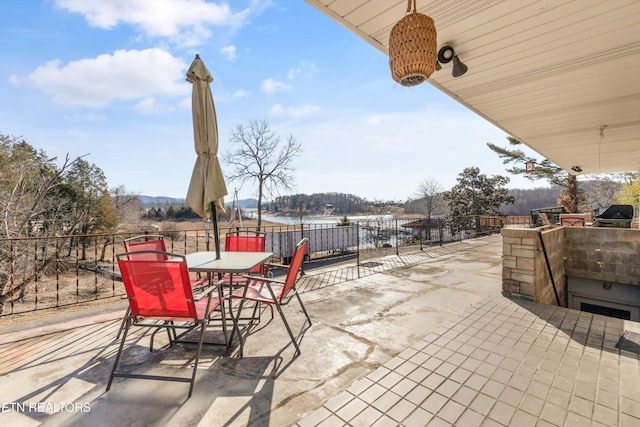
(230, 262)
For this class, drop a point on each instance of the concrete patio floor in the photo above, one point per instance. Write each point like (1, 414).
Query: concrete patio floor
(427, 340)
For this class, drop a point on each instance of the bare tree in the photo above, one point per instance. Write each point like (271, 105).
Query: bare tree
(601, 192)
(259, 156)
(128, 208)
(27, 180)
(429, 191)
(33, 202)
(376, 229)
(86, 187)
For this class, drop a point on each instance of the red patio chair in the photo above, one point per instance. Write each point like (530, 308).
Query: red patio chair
(245, 241)
(149, 247)
(161, 297)
(146, 242)
(274, 291)
(152, 242)
(544, 218)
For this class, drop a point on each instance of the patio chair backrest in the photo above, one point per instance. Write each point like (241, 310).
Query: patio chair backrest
(254, 242)
(544, 218)
(294, 266)
(245, 243)
(157, 287)
(146, 242)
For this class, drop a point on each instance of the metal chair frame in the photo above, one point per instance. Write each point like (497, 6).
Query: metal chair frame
(278, 290)
(147, 244)
(168, 277)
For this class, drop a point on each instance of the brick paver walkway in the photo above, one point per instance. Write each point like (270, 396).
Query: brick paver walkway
(502, 363)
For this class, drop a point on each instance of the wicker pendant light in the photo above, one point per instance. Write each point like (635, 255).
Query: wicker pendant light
(412, 48)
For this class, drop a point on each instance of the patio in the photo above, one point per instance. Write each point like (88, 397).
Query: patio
(428, 340)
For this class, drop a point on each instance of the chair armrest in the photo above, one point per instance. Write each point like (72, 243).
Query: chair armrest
(276, 265)
(264, 279)
(199, 281)
(207, 291)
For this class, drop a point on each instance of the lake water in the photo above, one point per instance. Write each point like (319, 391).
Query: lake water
(367, 234)
(324, 220)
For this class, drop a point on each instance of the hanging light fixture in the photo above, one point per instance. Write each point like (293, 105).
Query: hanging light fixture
(412, 48)
(530, 166)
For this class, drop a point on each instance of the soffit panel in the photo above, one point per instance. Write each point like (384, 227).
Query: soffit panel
(548, 73)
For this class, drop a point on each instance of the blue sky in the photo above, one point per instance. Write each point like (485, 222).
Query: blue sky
(106, 79)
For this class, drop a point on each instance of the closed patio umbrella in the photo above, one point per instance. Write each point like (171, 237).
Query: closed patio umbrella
(207, 187)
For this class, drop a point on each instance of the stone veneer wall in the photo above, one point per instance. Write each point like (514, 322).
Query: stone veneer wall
(524, 269)
(607, 254)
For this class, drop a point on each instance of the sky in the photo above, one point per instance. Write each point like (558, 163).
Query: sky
(105, 79)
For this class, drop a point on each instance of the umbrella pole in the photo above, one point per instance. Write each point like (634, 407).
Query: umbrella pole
(206, 233)
(216, 237)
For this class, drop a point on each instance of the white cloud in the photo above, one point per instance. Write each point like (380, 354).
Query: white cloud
(76, 133)
(185, 102)
(293, 72)
(377, 120)
(163, 154)
(306, 69)
(299, 111)
(125, 75)
(184, 21)
(241, 93)
(90, 117)
(229, 52)
(195, 37)
(273, 86)
(147, 106)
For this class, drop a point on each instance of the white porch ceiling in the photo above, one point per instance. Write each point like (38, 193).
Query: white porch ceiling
(548, 72)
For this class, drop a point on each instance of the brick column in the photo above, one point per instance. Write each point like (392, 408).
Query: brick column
(518, 266)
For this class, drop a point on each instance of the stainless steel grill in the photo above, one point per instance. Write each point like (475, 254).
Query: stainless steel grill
(616, 216)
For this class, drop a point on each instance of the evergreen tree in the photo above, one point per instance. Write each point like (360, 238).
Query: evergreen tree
(475, 194)
(570, 197)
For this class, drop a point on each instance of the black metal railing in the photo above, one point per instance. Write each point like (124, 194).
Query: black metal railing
(50, 271)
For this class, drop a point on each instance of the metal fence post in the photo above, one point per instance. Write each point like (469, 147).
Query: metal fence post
(35, 268)
(397, 243)
(358, 247)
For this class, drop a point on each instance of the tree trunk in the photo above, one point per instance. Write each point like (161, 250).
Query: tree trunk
(107, 242)
(569, 197)
(259, 206)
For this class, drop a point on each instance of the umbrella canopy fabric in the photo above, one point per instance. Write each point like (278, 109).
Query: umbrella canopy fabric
(207, 184)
